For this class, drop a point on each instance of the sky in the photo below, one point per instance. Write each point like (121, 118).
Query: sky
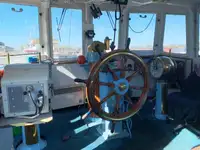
(18, 29)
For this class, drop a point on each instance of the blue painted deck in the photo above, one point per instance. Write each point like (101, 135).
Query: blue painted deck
(147, 134)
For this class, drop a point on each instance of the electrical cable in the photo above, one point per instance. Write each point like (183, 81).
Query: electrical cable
(37, 108)
(144, 28)
(110, 19)
(115, 24)
(58, 30)
(60, 23)
(70, 27)
(120, 12)
(129, 122)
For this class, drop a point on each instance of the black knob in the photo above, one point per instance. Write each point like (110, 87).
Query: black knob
(80, 80)
(25, 93)
(40, 92)
(130, 66)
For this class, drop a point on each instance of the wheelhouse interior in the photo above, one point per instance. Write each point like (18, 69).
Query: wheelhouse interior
(60, 60)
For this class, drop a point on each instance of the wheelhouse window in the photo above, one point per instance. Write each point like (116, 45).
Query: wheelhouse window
(142, 31)
(67, 33)
(104, 27)
(19, 32)
(175, 34)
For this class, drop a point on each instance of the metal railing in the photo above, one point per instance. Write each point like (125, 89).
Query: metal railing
(38, 54)
(8, 56)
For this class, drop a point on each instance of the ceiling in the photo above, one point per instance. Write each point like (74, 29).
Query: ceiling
(131, 2)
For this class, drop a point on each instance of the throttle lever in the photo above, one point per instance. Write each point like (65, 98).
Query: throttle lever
(128, 43)
(80, 80)
(113, 127)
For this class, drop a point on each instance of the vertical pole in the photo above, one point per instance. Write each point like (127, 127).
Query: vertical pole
(161, 100)
(8, 58)
(159, 33)
(45, 28)
(190, 32)
(123, 29)
(87, 23)
(196, 31)
(39, 57)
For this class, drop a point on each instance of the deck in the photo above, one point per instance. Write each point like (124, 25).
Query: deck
(147, 134)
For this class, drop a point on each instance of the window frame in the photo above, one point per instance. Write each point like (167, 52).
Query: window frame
(186, 44)
(8, 55)
(198, 33)
(75, 7)
(150, 52)
(117, 31)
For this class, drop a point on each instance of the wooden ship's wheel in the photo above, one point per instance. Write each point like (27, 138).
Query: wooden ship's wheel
(119, 84)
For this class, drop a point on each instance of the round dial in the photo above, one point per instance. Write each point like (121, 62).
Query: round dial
(156, 68)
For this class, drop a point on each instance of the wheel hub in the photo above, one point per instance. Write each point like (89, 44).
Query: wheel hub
(121, 86)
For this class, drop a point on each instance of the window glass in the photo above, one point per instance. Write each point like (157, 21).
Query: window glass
(175, 34)
(67, 33)
(141, 31)
(104, 27)
(19, 32)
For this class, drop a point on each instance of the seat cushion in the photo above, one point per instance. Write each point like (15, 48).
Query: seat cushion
(183, 107)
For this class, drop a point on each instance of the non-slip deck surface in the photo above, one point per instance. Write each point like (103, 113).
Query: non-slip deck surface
(147, 134)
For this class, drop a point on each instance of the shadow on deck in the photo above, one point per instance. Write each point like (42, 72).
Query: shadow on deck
(147, 134)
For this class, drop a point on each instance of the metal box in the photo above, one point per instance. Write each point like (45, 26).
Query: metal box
(14, 84)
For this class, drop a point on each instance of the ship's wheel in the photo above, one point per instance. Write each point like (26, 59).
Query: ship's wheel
(119, 85)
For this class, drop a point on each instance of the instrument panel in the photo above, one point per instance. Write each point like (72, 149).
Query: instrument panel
(162, 66)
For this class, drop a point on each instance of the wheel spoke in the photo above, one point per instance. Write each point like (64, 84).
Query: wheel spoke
(113, 73)
(122, 67)
(129, 78)
(122, 74)
(107, 97)
(117, 106)
(128, 99)
(107, 84)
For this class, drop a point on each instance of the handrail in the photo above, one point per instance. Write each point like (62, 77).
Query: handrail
(24, 54)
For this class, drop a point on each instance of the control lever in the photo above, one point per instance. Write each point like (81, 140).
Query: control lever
(128, 43)
(86, 114)
(112, 46)
(113, 127)
(80, 80)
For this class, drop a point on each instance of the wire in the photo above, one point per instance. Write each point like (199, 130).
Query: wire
(60, 23)
(70, 27)
(144, 28)
(37, 108)
(129, 122)
(110, 19)
(120, 12)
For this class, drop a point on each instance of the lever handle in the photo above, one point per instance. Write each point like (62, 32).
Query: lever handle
(128, 43)
(113, 127)
(86, 114)
(80, 80)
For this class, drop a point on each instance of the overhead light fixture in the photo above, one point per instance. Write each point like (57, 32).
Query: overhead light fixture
(95, 11)
(20, 10)
(121, 2)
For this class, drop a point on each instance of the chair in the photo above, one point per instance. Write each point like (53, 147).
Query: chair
(184, 106)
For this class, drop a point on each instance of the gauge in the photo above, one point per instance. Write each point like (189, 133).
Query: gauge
(156, 68)
(161, 66)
